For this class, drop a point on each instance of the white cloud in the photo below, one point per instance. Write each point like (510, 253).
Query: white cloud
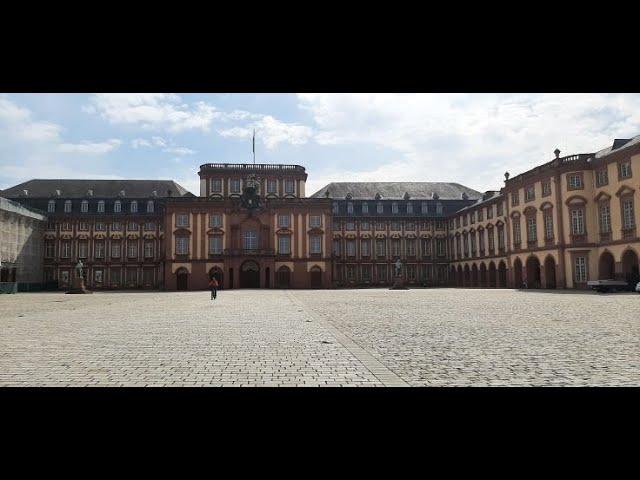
(140, 142)
(179, 151)
(152, 111)
(271, 132)
(468, 138)
(90, 148)
(17, 123)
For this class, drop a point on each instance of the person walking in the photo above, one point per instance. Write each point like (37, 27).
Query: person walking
(213, 285)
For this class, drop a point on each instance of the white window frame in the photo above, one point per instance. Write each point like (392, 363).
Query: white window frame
(182, 245)
(150, 206)
(213, 183)
(215, 220)
(284, 220)
(117, 206)
(287, 183)
(315, 244)
(604, 214)
(99, 249)
(101, 206)
(215, 245)
(134, 206)
(51, 206)
(580, 269)
(284, 244)
(577, 221)
(315, 221)
(67, 206)
(250, 240)
(272, 186)
(628, 214)
(182, 219)
(84, 206)
(232, 183)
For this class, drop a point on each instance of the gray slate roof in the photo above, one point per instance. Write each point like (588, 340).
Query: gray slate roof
(101, 188)
(618, 144)
(397, 190)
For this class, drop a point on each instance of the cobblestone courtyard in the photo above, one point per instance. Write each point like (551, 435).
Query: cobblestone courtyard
(432, 337)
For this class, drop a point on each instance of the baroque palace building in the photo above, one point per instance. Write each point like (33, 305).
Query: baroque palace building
(558, 225)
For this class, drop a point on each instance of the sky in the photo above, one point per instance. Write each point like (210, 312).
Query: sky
(467, 138)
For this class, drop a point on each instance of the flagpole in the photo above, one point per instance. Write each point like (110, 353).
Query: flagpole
(254, 146)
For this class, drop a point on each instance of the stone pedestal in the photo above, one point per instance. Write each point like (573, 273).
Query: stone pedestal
(77, 286)
(398, 283)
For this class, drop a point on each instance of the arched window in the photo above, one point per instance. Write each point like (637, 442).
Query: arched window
(150, 206)
(67, 206)
(84, 206)
(134, 206)
(117, 206)
(51, 207)
(101, 206)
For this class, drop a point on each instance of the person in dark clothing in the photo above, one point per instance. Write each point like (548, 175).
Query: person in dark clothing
(213, 285)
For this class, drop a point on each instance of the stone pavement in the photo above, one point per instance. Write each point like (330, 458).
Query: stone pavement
(440, 337)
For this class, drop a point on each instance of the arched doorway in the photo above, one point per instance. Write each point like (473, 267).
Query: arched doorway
(182, 279)
(630, 267)
(483, 275)
(492, 275)
(249, 275)
(283, 277)
(550, 272)
(502, 274)
(474, 275)
(459, 281)
(606, 267)
(466, 280)
(316, 277)
(216, 273)
(533, 272)
(517, 273)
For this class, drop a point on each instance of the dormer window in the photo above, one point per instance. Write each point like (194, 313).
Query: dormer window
(272, 186)
(394, 207)
(150, 206)
(134, 206)
(90, 193)
(365, 207)
(378, 196)
(84, 206)
(336, 208)
(122, 193)
(438, 208)
(350, 208)
(235, 185)
(215, 185)
(67, 206)
(289, 187)
(51, 206)
(117, 206)
(424, 207)
(101, 206)
(379, 207)
(409, 207)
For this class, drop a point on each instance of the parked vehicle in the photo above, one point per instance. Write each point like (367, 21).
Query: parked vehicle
(604, 286)
(638, 287)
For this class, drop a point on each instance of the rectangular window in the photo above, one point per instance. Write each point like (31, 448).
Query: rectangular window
(409, 227)
(115, 250)
(132, 249)
(440, 247)
(516, 231)
(577, 222)
(409, 207)
(529, 193)
(381, 248)
(625, 170)
(284, 244)
(424, 207)
(83, 227)
(101, 206)
(182, 245)
(515, 199)
(216, 185)
(235, 185)
(67, 206)
(365, 226)
(148, 249)
(272, 186)
(315, 221)
(315, 244)
(336, 247)
(49, 249)
(499, 209)
(532, 234)
(250, 239)
(438, 208)
(215, 220)
(182, 220)
(605, 218)
(411, 273)
(546, 188)
(100, 227)
(366, 273)
(575, 181)
(395, 247)
(97, 276)
(84, 206)
(379, 208)
(426, 247)
(628, 220)
(395, 226)
(133, 227)
(411, 247)
(381, 273)
(480, 214)
(351, 226)
(492, 242)
(489, 212)
(548, 225)
(66, 226)
(132, 276)
(365, 208)
(66, 250)
(115, 276)
(500, 238)
(51, 206)
(289, 187)
(481, 242)
(351, 273)
(150, 206)
(349, 208)
(149, 226)
(99, 247)
(473, 243)
(381, 226)
(365, 247)
(394, 207)
(602, 177)
(215, 245)
(284, 221)
(116, 226)
(351, 248)
(134, 207)
(581, 270)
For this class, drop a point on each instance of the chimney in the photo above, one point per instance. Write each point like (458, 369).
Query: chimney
(26, 193)
(90, 193)
(122, 193)
(154, 193)
(169, 192)
(58, 193)
(506, 176)
(557, 152)
(435, 196)
(464, 196)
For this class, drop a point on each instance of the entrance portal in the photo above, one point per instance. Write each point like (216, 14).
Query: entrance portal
(182, 279)
(249, 275)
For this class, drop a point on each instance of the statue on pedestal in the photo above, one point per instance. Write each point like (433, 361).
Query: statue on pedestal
(77, 283)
